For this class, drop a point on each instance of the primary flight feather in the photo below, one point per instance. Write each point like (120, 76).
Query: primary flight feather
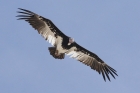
(63, 44)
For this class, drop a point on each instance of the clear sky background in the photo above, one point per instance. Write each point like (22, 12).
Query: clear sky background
(109, 28)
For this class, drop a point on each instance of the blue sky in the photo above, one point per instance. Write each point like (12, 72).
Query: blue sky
(109, 28)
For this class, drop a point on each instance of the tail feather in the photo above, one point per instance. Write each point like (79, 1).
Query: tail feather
(53, 53)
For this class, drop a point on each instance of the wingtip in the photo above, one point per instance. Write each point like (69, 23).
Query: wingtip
(104, 79)
(20, 8)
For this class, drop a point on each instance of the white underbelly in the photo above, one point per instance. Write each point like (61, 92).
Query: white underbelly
(61, 50)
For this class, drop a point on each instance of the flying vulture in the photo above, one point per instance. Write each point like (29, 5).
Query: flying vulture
(63, 44)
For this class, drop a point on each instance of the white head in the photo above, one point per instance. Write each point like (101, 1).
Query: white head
(71, 40)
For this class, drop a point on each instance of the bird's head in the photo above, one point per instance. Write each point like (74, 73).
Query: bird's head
(71, 40)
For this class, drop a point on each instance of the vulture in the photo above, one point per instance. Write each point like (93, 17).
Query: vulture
(64, 45)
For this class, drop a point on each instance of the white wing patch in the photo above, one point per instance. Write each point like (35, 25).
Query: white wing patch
(70, 53)
(74, 55)
(51, 39)
(48, 34)
(80, 56)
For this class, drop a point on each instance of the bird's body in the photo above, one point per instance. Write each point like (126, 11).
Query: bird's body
(62, 44)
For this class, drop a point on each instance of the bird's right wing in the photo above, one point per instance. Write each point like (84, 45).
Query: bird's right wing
(91, 59)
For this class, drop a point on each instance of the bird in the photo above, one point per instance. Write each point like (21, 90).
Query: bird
(64, 45)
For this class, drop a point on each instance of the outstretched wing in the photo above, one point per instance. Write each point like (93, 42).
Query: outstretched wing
(44, 26)
(90, 59)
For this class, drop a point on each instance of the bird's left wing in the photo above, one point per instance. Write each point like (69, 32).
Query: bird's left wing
(90, 59)
(44, 26)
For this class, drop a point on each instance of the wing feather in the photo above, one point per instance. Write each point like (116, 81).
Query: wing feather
(44, 26)
(90, 59)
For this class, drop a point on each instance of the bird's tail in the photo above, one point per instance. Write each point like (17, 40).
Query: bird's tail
(53, 52)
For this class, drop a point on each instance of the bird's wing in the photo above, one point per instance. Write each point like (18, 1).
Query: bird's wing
(90, 59)
(44, 26)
